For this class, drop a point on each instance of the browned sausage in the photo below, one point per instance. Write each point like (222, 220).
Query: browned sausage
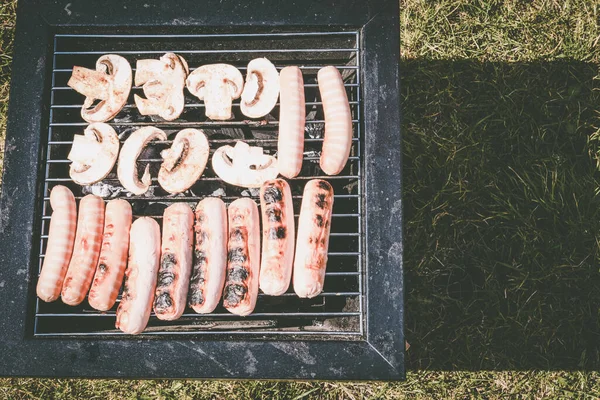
(113, 255)
(60, 243)
(88, 239)
(314, 225)
(243, 257)
(175, 262)
(140, 276)
(278, 237)
(338, 121)
(292, 116)
(210, 255)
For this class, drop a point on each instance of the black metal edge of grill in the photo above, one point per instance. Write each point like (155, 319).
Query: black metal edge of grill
(378, 354)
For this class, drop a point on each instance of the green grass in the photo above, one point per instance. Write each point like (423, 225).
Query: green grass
(501, 125)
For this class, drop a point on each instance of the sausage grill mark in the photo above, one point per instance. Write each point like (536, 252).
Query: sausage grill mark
(272, 195)
(237, 255)
(277, 233)
(166, 275)
(324, 185)
(102, 267)
(234, 294)
(319, 220)
(237, 234)
(321, 201)
(163, 302)
(273, 214)
(237, 274)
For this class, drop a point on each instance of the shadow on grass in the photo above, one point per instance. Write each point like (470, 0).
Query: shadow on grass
(502, 216)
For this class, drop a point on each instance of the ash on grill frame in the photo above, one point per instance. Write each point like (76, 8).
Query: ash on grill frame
(338, 312)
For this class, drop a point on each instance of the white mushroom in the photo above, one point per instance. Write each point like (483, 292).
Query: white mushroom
(127, 168)
(217, 85)
(261, 89)
(110, 83)
(243, 165)
(163, 82)
(93, 154)
(184, 162)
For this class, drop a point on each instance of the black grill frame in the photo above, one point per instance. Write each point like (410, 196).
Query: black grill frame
(377, 352)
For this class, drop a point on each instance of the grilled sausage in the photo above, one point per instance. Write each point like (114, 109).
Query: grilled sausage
(243, 257)
(338, 121)
(60, 243)
(140, 276)
(90, 224)
(292, 116)
(314, 225)
(113, 255)
(175, 262)
(278, 237)
(210, 255)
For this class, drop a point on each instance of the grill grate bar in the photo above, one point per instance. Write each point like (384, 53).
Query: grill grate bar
(193, 105)
(342, 300)
(188, 124)
(201, 35)
(223, 51)
(212, 315)
(168, 142)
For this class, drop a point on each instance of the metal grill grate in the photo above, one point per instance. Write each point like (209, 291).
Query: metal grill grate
(338, 312)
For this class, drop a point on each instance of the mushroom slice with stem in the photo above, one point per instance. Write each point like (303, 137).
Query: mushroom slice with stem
(243, 165)
(93, 154)
(218, 85)
(184, 162)
(261, 89)
(110, 84)
(127, 169)
(163, 82)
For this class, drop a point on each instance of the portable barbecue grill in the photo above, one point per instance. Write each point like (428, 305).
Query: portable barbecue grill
(353, 330)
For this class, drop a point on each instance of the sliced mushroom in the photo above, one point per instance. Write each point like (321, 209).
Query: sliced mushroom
(184, 162)
(127, 168)
(261, 89)
(163, 82)
(93, 154)
(110, 83)
(218, 85)
(243, 165)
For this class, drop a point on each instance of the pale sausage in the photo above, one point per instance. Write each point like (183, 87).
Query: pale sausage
(210, 255)
(140, 276)
(338, 121)
(292, 116)
(60, 243)
(175, 262)
(88, 239)
(277, 237)
(314, 225)
(243, 257)
(113, 255)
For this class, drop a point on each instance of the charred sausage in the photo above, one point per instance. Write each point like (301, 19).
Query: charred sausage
(314, 225)
(140, 276)
(113, 255)
(210, 255)
(243, 257)
(60, 243)
(278, 237)
(292, 116)
(175, 262)
(338, 121)
(90, 224)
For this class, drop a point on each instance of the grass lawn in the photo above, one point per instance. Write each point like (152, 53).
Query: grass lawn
(501, 125)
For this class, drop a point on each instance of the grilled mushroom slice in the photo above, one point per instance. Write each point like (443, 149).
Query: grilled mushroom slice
(127, 168)
(163, 82)
(243, 165)
(184, 162)
(218, 85)
(93, 154)
(110, 84)
(261, 89)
